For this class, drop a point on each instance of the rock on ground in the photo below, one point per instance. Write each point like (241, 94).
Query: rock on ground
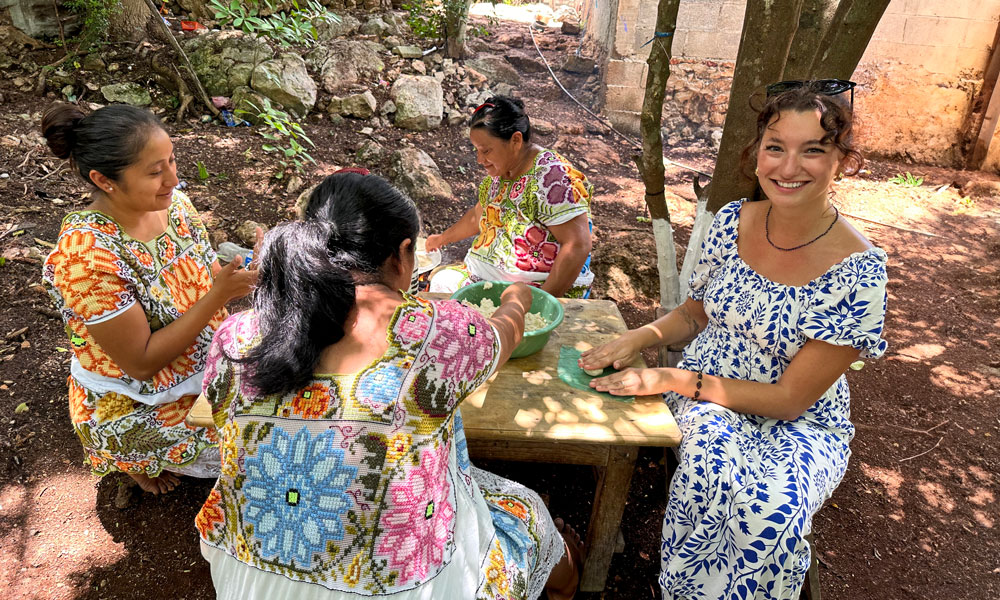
(285, 81)
(419, 102)
(342, 63)
(224, 60)
(128, 93)
(418, 175)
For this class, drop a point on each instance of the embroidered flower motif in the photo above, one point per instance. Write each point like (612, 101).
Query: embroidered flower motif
(142, 255)
(187, 280)
(168, 249)
(113, 406)
(181, 227)
(517, 545)
(418, 524)
(181, 453)
(210, 516)
(379, 387)
(79, 411)
(228, 450)
(353, 574)
(91, 272)
(295, 495)
(412, 327)
(243, 549)
(518, 188)
(533, 252)
(496, 574)
(398, 446)
(461, 357)
(461, 444)
(489, 225)
(173, 413)
(514, 507)
(104, 225)
(311, 402)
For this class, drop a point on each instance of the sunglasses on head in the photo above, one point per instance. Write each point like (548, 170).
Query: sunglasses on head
(827, 87)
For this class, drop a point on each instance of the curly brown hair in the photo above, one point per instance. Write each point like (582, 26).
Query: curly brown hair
(835, 117)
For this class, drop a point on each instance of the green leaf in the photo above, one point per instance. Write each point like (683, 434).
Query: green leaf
(238, 22)
(61, 349)
(202, 171)
(268, 148)
(21, 408)
(857, 365)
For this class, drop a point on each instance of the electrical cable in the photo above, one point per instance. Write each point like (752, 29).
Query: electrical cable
(598, 117)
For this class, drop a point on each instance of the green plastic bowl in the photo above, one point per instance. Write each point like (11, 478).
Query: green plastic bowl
(542, 303)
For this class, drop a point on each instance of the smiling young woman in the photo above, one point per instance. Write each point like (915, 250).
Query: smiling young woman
(138, 284)
(786, 294)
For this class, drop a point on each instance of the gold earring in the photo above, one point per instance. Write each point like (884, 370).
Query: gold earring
(756, 170)
(839, 176)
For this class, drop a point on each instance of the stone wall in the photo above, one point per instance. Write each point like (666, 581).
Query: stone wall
(920, 74)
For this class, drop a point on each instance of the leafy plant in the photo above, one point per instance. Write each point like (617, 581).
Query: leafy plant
(298, 26)
(94, 20)
(907, 180)
(202, 171)
(438, 20)
(285, 136)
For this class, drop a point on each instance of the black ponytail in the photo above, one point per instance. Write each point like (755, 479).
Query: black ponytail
(302, 299)
(308, 273)
(502, 116)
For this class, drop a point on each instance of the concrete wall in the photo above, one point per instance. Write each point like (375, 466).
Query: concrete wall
(920, 74)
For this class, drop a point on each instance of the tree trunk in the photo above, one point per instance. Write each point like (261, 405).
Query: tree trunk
(768, 29)
(651, 161)
(128, 23)
(817, 15)
(847, 38)
(456, 17)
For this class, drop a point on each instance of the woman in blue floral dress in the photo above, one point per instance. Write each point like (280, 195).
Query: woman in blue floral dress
(345, 472)
(786, 295)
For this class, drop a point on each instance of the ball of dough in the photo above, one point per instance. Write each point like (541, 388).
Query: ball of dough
(593, 372)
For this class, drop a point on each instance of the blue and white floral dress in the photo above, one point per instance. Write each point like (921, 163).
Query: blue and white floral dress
(747, 487)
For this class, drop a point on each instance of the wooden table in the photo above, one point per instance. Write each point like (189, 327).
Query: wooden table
(526, 413)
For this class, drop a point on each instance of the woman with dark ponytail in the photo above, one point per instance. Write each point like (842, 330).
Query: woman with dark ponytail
(345, 472)
(532, 217)
(135, 279)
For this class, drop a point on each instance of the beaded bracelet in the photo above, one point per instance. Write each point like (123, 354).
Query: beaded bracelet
(697, 387)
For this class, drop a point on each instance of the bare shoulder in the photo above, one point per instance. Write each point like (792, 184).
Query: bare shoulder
(851, 240)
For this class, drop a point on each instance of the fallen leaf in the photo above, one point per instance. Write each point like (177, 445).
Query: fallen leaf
(857, 365)
(21, 408)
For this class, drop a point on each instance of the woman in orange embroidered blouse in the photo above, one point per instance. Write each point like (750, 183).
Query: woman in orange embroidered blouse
(137, 283)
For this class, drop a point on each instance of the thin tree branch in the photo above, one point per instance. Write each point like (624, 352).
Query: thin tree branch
(180, 52)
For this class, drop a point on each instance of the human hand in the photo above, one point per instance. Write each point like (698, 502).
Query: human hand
(519, 293)
(433, 242)
(634, 382)
(619, 353)
(233, 281)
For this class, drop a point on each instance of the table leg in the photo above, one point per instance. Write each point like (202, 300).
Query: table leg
(606, 517)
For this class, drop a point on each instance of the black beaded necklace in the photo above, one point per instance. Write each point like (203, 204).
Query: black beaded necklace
(767, 231)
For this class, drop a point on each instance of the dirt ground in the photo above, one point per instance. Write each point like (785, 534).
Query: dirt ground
(915, 518)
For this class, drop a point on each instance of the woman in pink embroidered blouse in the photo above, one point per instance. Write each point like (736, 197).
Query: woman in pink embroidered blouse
(345, 472)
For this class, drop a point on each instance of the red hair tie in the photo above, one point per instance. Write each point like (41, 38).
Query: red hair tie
(480, 107)
(358, 170)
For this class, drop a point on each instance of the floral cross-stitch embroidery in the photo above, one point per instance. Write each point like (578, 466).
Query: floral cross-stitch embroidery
(418, 525)
(295, 494)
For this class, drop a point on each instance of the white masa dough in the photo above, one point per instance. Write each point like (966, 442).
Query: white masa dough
(532, 321)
